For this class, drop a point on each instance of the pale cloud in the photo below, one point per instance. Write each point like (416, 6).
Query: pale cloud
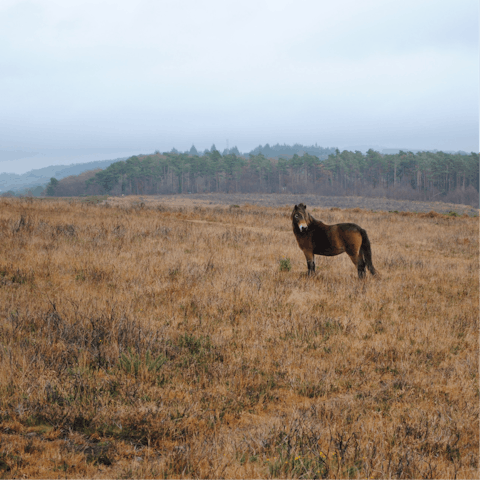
(158, 74)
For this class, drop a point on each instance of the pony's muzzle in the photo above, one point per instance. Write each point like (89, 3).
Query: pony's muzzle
(302, 226)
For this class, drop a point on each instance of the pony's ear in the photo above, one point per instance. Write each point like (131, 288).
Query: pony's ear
(302, 205)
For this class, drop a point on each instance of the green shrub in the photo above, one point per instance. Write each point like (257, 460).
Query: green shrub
(133, 363)
(285, 265)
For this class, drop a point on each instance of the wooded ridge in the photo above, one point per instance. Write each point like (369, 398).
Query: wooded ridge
(408, 175)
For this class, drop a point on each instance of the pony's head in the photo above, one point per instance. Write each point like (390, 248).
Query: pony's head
(300, 217)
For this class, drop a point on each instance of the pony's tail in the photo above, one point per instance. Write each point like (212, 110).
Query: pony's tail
(366, 252)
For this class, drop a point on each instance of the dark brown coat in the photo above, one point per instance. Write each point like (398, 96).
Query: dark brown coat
(317, 238)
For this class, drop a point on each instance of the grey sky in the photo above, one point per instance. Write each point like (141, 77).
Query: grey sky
(137, 75)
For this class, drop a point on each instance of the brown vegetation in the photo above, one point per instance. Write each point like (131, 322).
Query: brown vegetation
(74, 185)
(144, 341)
(280, 200)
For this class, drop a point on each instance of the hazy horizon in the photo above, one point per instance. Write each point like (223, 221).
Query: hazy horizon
(119, 78)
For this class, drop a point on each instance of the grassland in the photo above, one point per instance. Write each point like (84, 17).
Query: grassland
(140, 341)
(280, 200)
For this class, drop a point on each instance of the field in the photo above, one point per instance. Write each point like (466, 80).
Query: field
(280, 200)
(141, 339)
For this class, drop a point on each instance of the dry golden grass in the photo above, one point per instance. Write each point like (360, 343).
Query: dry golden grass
(141, 342)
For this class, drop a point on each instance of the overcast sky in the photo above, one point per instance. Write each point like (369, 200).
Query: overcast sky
(138, 75)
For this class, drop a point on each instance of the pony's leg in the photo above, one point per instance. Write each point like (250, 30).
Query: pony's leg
(310, 262)
(359, 262)
(361, 267)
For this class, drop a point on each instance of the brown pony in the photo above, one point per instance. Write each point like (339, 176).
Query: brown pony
(316, 238)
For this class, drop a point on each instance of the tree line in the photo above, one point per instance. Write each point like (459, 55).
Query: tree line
(408, 175)
(270, 151)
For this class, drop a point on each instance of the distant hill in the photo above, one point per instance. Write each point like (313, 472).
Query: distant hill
(41, 176)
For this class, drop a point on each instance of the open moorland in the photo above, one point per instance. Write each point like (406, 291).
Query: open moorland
(141, 339)
(281, 200)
